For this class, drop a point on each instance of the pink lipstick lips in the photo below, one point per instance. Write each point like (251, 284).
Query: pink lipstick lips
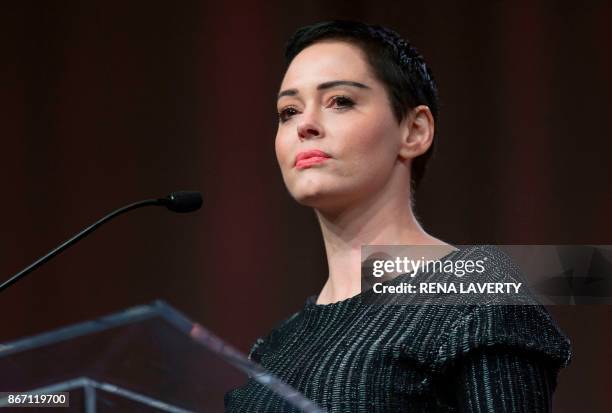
(309, 158)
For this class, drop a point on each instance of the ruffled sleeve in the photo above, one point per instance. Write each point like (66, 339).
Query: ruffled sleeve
(525, 326)
(258, 350)
(501, 357)
(515, 328)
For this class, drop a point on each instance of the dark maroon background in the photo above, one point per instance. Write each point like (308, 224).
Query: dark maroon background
(104, 103)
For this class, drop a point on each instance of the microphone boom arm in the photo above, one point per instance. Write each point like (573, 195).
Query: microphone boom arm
(176, 201)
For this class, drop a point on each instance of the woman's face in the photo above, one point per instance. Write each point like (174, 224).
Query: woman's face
(331, 102)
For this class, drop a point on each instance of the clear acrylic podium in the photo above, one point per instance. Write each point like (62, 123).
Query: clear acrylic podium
(144, 359)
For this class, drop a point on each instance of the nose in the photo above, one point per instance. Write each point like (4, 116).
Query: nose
(309, 127)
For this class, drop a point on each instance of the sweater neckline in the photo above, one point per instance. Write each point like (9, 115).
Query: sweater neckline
(311, 301)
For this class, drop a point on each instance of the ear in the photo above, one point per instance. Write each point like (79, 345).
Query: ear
(418, 133)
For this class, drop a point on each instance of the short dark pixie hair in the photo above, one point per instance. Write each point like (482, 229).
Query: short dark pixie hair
(395, 62)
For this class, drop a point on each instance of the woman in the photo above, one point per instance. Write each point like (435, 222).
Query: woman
(357, 109)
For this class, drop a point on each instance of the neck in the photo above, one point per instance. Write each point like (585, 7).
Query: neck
(384, 219)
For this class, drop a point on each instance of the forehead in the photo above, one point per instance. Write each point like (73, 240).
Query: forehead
(324, 61)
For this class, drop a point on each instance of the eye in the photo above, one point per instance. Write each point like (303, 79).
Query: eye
(285, 114)
(342, 102)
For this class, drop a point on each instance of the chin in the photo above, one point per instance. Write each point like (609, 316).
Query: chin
(322, 201)
(309, 199)
(323, 196)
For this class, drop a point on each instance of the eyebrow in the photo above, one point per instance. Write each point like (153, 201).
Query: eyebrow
(326, 85)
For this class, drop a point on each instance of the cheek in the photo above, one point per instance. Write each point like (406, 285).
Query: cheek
(372, 146)
(284, 149)
(280, 147)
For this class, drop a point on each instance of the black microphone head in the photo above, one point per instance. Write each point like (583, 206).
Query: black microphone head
(183, 201)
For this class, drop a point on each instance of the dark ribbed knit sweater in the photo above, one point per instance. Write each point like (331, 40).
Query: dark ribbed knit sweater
(352, 356)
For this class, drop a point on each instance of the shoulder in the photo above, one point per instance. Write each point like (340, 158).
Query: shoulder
(496, 267)
(263, 343)
(497, 264)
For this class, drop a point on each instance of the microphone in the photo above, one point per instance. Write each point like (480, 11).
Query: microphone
(180, 201)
